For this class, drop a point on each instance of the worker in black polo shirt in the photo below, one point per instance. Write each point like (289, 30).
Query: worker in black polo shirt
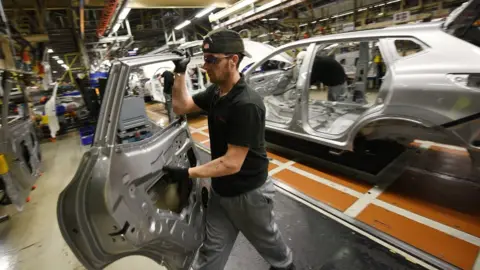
(328, 71)
(242, 192)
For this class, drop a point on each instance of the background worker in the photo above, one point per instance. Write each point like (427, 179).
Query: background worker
(329, 72)
(241, 194)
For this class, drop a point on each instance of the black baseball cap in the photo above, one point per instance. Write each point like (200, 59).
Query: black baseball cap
(224, 41)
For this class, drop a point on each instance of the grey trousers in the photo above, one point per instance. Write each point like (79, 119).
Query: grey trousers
(337, 92)
(250, 213)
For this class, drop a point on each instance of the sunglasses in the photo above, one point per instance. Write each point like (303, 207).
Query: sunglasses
(210, 59)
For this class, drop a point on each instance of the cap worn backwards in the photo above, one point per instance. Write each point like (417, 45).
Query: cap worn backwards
(224, 41)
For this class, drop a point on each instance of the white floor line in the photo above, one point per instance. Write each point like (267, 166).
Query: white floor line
(476, 266)
(355, 209)
(281, 167)
(326, 182)
(368, 198)
(359, 231)
(276, 162)
(430, 223)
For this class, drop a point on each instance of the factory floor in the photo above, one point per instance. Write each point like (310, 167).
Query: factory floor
(31, 239)
(430, 207)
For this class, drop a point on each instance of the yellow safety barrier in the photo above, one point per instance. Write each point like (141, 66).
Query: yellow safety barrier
(3, 164)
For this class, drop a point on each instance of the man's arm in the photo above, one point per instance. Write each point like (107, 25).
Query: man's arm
(182, 102)
(228, 164)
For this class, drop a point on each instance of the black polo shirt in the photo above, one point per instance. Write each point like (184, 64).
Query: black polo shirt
(237, 118)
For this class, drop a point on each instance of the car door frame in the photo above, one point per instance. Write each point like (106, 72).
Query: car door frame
(20, 177)
(88, 229)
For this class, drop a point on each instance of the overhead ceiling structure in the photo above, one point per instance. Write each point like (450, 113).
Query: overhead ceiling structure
(294, 17)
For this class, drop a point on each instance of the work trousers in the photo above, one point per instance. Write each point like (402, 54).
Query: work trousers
(337, 92)
(250, 213)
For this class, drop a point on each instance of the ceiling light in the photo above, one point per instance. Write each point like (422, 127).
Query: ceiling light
(180, 26)
(115, 28)
(105, 45)
(273, 19)
(394, 1)
(135, 49)
(345, 14)
(301, 25)
(380, 14)
(55, 57)
(314, 22)
(50, 51)
(361, 9)
(60, 62)
(123, 15)
(322, 20)
(54, 71)
(205, 11)
(380, 5)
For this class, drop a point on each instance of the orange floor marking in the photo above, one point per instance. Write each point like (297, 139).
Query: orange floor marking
(199, 137)
(437, 243)
(198, 122)
(316, 190)
(271, 166)
(356, 185)
(447, 202)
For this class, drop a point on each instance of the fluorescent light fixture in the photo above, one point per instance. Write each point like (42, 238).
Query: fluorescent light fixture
(65, 66)
(380, 14)
(123, 15)
(50, 51)
(263, 35)
(394, 1)
(55, 57)
(54, 71)
(345, 14)
(60, 61)
(115, 28)
(227, 11)
(361, 9)
(180, 26)
(314, 22)
(273, 19)
(322, 20)
(380, 5)
(135, 49)
(205, 11)
(303, 24)
(105, 45)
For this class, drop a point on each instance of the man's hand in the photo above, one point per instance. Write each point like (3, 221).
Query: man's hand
(178, 174)
(181, 65)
